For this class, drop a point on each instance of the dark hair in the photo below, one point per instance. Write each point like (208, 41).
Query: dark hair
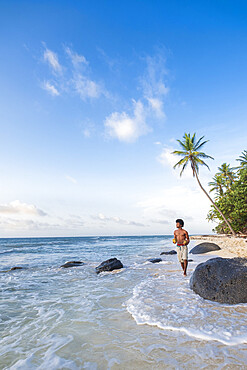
(180, 221)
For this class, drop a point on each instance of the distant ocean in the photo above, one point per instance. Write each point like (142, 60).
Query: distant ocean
(141, 317)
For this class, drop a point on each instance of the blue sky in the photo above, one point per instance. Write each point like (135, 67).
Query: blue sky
(94, 95)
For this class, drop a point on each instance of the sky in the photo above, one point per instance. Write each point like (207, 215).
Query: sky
(93, 97)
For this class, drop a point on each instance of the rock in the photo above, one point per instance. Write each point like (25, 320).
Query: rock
(154, 260)
(109, 265)
(222, 280)
(72, 264)
(16, 268)
(170, 252)
(204, 248)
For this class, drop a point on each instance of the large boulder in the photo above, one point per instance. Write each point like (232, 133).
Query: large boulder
(72, 264)
(222, 280)
(205, 248)
(154, 260)
(169, 252)
(109, 265)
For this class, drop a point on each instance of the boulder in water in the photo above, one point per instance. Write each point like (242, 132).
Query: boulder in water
(169, 252)
(154, 260)
(205, 248)
(72, 264)
(16, 268)
(109, 265)
(222, 280)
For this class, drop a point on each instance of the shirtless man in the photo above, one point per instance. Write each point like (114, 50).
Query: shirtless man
(181, 238)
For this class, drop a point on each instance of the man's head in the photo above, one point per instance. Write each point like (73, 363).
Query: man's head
(179, 222)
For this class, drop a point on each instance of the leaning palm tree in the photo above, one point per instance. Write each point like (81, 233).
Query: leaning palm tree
(192, 155)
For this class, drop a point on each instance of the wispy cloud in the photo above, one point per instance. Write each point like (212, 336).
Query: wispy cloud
(153, 83)
(85, 87)
(127, 127)
(101, 217)
(17, 207)
(51, 89)
(75, 58)
(72, 78)
(52, 59)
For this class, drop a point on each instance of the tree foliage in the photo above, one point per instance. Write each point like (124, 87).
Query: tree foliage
(230, 188)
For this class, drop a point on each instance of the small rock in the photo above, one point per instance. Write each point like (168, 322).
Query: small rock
(204, 248)
(109, 265)
(154, 260)
(16, 268)
(170, 252)
(72, 264)
(222, 280)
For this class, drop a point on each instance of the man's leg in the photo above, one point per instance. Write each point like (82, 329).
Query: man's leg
(185, 263)
(182, 264)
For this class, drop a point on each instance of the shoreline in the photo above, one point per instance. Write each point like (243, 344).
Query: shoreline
(230, 246)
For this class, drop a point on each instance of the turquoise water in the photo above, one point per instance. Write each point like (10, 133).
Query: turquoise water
(141, 317)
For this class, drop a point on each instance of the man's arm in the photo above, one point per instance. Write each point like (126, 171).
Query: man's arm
(175, 237)
(187, 237)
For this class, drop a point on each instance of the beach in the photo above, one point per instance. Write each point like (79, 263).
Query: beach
(230, 246)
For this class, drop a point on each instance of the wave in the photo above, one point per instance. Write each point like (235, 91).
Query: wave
(183, 311)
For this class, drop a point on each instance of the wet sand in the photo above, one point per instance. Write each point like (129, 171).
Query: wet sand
(230, 246)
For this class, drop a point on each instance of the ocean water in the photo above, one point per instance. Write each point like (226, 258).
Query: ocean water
(143, 316)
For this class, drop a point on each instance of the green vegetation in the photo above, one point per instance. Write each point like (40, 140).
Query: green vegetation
(191, 154)
(230, 187)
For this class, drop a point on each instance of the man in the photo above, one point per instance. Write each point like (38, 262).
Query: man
(181, 238)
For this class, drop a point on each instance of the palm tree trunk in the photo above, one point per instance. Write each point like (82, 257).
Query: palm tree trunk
(211, 200)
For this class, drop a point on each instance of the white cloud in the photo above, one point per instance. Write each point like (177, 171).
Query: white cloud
(166, 158)
(76, 59)
(154, 85)
(16, 207)
(125, 127)
(51, 89)
(85, 87)
(188, 203)
(116, 219)
(52, 59)
(157, 106)
(72, 79)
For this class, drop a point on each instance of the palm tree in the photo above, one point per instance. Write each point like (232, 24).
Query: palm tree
(227, 174)
(243, 159)
(217, 185)
(192, 155)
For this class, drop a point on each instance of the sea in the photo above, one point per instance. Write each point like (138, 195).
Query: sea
(144, 316)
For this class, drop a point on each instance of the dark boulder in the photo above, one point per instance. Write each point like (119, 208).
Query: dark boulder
(170, 252)
(72, 264)
(222, 280)
(109, 265)
(154, 260)
(205, 248)
(16, 268)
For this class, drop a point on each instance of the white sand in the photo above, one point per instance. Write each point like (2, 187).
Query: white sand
(230, 246)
